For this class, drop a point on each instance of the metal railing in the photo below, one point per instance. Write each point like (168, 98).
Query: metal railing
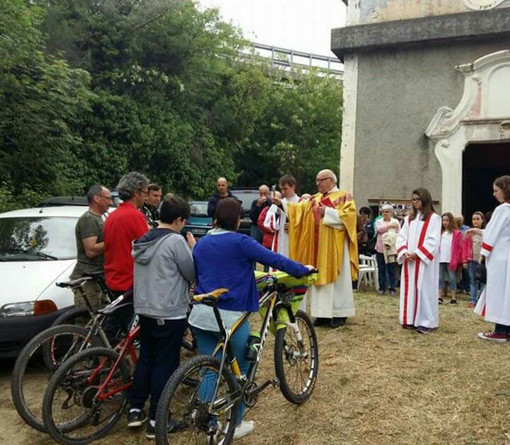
(289, 59)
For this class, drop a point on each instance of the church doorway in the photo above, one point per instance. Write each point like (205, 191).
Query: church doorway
(482, 164)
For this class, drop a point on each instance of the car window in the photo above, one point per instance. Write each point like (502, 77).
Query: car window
(247, 197)
(37, 238)
(198, 208)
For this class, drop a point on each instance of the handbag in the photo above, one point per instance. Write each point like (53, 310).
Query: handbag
(481, 273)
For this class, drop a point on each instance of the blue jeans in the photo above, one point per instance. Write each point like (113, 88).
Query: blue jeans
(445, 274)
(160, 352)
(206, 342)
(475, 287)
(384, 268)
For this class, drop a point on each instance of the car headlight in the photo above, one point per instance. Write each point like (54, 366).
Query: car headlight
(23, 309)
(27, 308)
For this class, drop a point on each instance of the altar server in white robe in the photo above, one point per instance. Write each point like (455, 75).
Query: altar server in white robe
(494, 303)
(276, 217)
(418, 251)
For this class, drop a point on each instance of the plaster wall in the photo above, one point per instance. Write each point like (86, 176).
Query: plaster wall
(378, 11)
(398, 92)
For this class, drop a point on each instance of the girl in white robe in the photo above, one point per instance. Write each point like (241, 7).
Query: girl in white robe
(494, 303)
(417, 250)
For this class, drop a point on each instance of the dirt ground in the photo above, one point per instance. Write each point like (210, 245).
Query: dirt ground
(378, 385)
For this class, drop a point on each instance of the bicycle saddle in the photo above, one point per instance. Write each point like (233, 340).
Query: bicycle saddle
(210, 298)
(74, 283)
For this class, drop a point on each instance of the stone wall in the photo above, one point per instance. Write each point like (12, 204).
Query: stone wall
(398, 93)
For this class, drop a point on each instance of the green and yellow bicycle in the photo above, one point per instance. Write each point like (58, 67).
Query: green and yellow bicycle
(210, 417)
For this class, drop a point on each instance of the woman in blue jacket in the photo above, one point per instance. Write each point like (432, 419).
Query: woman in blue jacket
(225, 258)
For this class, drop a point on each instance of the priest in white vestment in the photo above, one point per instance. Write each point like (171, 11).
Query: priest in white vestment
(494, 302)
(418, 251)
(322, 230)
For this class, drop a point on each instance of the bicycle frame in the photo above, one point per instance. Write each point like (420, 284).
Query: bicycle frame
(270, 298)
(124, 347)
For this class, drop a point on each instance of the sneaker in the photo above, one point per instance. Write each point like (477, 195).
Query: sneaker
(423, 330)
(492, 336)
(174, 426)
(381, 292)
(392, 293)
(440, 300)
(136, 418)
(452, 301)
(246, 427)
(472, 304)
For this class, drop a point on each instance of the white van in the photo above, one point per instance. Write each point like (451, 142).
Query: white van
(37, 249)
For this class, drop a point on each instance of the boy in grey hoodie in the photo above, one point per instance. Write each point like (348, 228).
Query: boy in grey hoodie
(163, 269)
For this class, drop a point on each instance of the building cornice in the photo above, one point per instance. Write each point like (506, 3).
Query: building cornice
(449, 28)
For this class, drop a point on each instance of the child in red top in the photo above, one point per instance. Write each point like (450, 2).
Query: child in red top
(450, 256)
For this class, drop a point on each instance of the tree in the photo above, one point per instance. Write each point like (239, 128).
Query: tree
(39, 95)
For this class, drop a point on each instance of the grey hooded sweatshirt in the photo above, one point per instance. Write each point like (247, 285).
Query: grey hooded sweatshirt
(163, 269)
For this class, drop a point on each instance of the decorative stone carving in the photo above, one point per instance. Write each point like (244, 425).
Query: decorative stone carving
(483, 114)
(482, 5)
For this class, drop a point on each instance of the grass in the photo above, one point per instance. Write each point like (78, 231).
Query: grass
(382, 385)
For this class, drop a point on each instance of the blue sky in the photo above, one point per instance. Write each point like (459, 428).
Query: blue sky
(303, 25)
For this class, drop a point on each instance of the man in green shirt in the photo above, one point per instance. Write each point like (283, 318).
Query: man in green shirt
(90, 245)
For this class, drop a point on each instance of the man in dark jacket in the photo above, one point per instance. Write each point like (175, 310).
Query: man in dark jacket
(256, 208)
(223, 192)
(150, 207)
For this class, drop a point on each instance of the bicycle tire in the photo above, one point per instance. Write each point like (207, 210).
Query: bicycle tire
(71, 316)
(72, 379)
(31, 350)
(304, 363)
(182, 403)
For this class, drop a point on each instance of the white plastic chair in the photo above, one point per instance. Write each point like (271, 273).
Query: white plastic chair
(368, 271)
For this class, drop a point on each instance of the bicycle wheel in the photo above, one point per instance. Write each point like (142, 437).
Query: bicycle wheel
(31, 372)
(72, 412)
(297, 362)
(77, 315)
(188, 406)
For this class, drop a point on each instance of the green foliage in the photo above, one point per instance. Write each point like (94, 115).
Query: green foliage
(91, 89)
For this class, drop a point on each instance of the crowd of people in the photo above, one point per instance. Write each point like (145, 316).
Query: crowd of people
(139, 246)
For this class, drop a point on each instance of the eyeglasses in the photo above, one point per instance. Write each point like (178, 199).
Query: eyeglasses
(109, 198)
(319, 180)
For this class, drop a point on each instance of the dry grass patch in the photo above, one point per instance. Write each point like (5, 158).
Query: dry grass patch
(380, 385)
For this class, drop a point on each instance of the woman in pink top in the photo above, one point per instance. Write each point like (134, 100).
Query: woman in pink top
(450, 256)
(471, 256)
(385, 246)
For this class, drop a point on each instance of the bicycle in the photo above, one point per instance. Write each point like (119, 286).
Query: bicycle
(84, 398)
(50, 348)
(214, 415)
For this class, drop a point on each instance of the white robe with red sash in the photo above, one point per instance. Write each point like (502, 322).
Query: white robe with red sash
(420, 278)
(494, 302)
(275, 220)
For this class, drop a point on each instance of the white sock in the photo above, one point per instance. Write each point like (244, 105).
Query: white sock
(153, 422)
(134, 410)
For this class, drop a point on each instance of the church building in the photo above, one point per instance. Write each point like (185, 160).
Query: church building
(426, 100)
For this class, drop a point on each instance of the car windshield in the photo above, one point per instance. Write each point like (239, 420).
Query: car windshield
(247, 197)
(198, 208)
(37, 238)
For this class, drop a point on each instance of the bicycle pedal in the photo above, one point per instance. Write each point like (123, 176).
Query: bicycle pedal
(275, 382)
